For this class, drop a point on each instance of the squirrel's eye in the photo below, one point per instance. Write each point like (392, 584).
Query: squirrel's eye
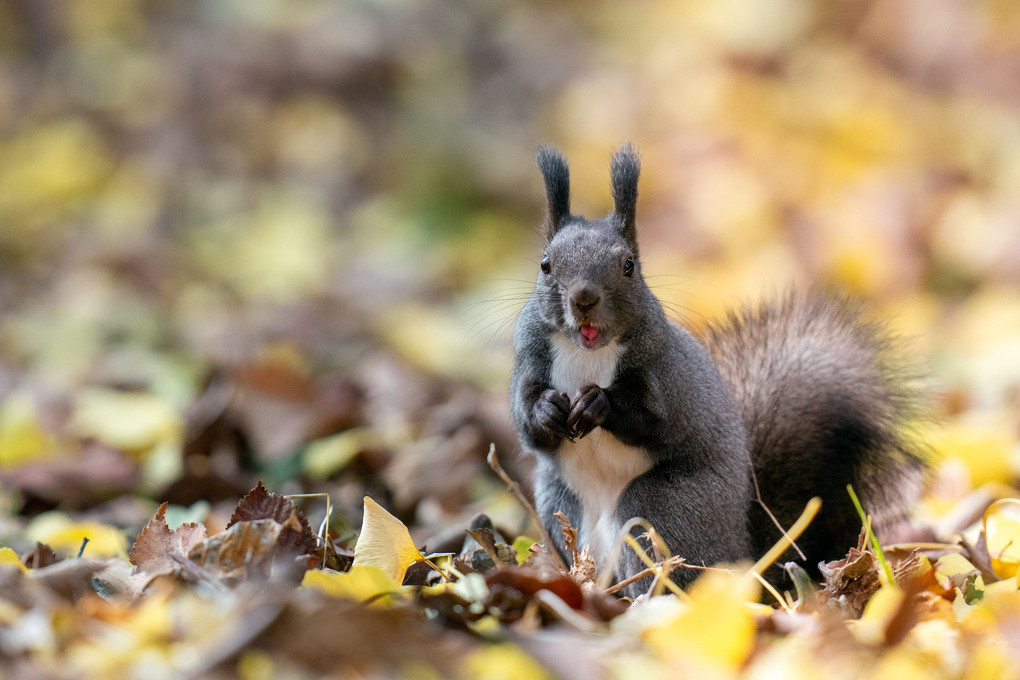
(546, 267)
(628, 267)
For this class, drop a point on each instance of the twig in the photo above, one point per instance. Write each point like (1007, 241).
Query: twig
(810, 510)
(757, 493)
(773, 592)
(657, 568)
(949, 547)
(324, 527)
(515, 489)
(670, 564)
(427, 560)
(84, 542)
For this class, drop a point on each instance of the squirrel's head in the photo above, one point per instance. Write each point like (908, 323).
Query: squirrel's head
(590, 282)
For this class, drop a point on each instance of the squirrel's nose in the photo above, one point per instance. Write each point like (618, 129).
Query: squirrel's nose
(584, 300)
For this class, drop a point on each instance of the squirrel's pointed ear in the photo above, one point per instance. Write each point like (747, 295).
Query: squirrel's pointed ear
(623, 172)
(557, 188)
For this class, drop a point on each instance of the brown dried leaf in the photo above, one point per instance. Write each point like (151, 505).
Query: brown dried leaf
(529, 582)
(584, 570)
(569, 534)
(247, 550)
(70, 578)
(158, 550)
(977, 554)
(851, 580)
(501, 553)
(345, 639)
(916, 574)
(40, 556)
(260, 504)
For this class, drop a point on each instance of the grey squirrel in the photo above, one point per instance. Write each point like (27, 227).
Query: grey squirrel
(630, 415)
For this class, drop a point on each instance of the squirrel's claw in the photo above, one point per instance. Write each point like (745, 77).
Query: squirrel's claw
(551, 410)
(589, 410)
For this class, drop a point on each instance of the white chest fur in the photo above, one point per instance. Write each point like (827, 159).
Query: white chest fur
(598, 467)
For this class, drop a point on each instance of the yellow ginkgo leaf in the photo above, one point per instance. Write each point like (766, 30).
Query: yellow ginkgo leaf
(362, 582)
(953, 564)
(8, 556)
(385, 542)
(717, 628)
(1002, 536)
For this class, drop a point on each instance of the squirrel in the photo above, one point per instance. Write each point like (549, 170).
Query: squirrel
(717, 441)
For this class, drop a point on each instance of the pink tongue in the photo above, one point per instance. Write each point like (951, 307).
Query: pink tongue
(589, 332)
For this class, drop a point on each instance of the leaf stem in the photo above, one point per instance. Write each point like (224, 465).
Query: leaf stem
(870, 536)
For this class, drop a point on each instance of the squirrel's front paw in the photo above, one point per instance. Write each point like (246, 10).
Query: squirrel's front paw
(551, 411)
(589, 410)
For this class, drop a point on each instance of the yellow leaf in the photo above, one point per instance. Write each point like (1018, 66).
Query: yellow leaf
(385, 542)
(1002, 535)
(8, 556)
(22, 437)
(952, 565)
(49, 169)
(64, 535)
(901, 664)
(983, 442)
(955, 564)
(883, 605)
(716, 628)
(132, 421)
(989, 659)
(326, 457)
(361, 583)
(522, 548)
(502, 662)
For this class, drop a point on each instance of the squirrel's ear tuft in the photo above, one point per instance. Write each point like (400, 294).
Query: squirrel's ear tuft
(557, 188)
(623, 172)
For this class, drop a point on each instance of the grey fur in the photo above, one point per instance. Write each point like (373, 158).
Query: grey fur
(623, 175)
(803, 388)
(817, 383)
(557, 188)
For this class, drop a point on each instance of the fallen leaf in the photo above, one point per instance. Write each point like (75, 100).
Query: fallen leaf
(133, 421)
(522, 548)
(244, 550)
(71, 578)
(1001, 524)
(851, 581)
(40, 556)
(158, 550)
(384, 542)
(503, 661)
(363, 582)
(260, 504)
(529, 581)
(717, 628)
(499, 552)
(22, 436)
(62, 533)
(8, 556)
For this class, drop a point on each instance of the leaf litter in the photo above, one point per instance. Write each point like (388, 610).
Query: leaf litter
(231, 278)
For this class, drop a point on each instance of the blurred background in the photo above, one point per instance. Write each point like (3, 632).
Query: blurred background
(247, 239)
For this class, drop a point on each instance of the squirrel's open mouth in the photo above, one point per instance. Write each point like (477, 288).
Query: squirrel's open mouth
(591, 336)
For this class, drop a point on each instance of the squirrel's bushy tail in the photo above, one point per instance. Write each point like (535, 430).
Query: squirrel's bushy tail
(826, 402)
